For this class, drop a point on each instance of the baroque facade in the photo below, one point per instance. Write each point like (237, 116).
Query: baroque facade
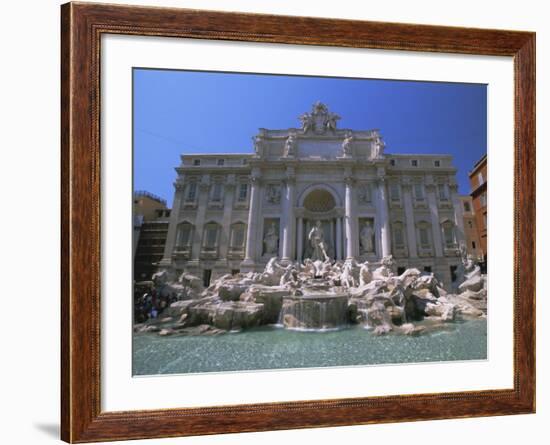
(316, 192)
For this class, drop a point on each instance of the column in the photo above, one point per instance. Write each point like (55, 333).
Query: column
(333, 236)
(228, 194)
(199, 221)
(459, 215)
(300, 239)
(288, 216)
(434, 215)
(383, 217)
(173, 226)
(409, 216)
(338, 238)
(352, 237)
(253, 217)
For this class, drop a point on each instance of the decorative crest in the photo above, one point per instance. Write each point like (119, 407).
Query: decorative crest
(319, 120)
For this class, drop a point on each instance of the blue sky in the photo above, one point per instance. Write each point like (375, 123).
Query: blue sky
(178, 112)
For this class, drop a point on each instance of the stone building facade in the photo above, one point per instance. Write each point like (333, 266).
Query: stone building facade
(317, 191)
(478, 185)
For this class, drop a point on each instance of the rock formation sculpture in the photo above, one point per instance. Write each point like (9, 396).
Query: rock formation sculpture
(319, 295)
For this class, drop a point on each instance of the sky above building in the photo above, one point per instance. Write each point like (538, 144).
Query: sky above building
(181, 112)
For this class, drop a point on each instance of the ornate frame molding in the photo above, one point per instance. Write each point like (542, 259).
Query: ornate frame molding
(81, 28)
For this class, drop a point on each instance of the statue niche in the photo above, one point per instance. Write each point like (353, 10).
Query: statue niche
(366, 237)
(271, 239)
(319, 246)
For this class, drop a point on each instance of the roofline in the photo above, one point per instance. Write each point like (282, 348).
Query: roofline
(418, 155)
(227, 155)
(478, 164)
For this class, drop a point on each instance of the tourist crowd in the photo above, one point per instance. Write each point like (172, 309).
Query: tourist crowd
(149, 305)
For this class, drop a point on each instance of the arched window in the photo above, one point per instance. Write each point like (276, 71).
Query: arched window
(398, 233)
(423, 235)
(448, 234)
(184, 235)
(210, 237)
(238, 236)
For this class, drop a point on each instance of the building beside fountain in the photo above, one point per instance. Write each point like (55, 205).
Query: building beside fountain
(316, 192)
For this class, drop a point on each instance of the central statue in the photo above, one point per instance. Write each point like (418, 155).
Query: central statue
(317, 240)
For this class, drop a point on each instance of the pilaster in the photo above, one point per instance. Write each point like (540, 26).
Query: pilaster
(434, 216)
(288, 215)
(253, 216)
(204, 187)
(383, 214)
(409, 216)
(350, 219)
(173, 226)
(229, 193)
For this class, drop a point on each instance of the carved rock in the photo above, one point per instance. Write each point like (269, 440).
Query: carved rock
(317, 295)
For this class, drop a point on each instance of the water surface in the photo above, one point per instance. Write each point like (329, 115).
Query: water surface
(276, 348)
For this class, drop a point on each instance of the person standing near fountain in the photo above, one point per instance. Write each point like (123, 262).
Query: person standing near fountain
(316, 238)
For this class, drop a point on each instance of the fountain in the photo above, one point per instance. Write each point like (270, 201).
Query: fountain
(317, 296)
(315, 311)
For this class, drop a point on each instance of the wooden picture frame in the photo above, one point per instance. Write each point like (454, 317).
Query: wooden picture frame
(82, 26)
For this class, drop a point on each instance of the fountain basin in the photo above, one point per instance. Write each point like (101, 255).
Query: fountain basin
(315, 311)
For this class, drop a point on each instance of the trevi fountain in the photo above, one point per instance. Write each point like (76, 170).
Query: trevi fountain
(313, 314)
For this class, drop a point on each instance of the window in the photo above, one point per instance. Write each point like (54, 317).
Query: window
(221, 161)
(217, 192)
(400, 270)
(243, 191)
(192, 191)
(238, 236)
(398, 236)
(183, 237)
(448, 234)
(480, 179)
(470, 224)
(424, 237)
(467, 207)
(196, 162)
(235, 271)
(473, 244)
(392, 162)
(443, 194)
(483, 199)
(245, 161)
(428, 269)
(394, 191)
(418, 191)
(414, 162)
(437, 163)
(211, 236)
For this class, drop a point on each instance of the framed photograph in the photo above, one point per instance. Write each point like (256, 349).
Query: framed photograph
(275, 222)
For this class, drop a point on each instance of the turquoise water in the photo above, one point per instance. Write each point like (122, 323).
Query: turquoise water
(276, 348)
